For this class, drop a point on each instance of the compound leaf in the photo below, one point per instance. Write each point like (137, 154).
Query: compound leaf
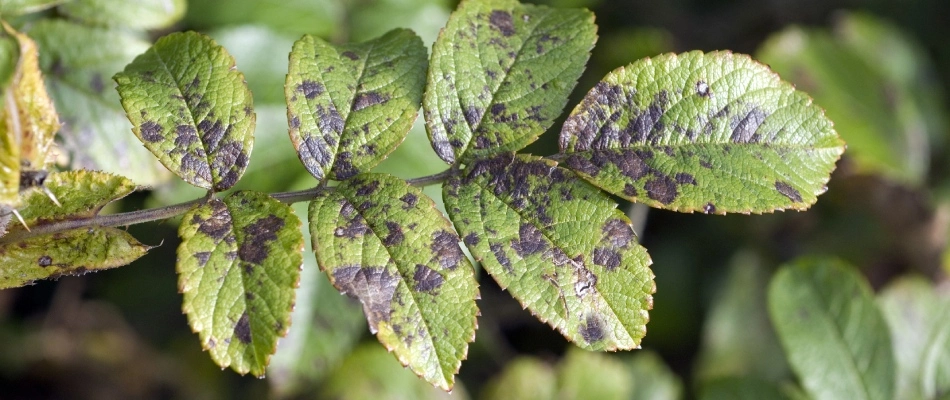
(74, 252)
(715, 132)
(83, 194)
(383, 242)
(239, 264)
(558, 245)
(350, 106)
(835, 337)
(191, 108)
(500, 74)
(141, 14)
(78, 61)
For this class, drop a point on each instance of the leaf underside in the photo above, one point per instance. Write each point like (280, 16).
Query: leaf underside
(349, 106)
(239, 265)
(191, 108)
(558, 245)
(690, 132)
(500, 74)
(383, 242)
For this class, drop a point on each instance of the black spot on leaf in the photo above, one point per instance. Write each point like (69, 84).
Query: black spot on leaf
(499, 253)
(472, 239)
(44, 261)
(367, 189)
(629, 190)
(501, 20)
(683, 178)
(446, 250)
(410, 200)
(310, 89)
(368, 99)
(787, 190)
(618, 232)
(530, 241)
(606, 258)
(472, 116)
(329, 120)
(426, 279)
(242, 330)
(661, 188)
(202, 257)
(395, 236)
(372, 286)
(295, 122)
(185, 135)
(151, 131)
(351, 55)
(218, 225)
(211, 133)
(256, 237)
(592, 330)
(709, 208)
(744, 130)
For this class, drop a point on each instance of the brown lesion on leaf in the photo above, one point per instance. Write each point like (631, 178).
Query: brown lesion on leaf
(607, 258)
(368, 99)
(229, 161)
(202, 257)
(501, 20)
(310, 89)
(253, 248)
(395, 235)
(242, 329)
(426, 279)
(530, 241)
(499, 252)
(367, 188)
(44, 261)
(410, 201)
(709, 208)
(744, 129)
(585, 281)
(683, 178)
(661, 188)
(372, 286)
(592, 329)
(151, 131)
(185, 135)
(788, 191)
(218, 225)
(445, 249)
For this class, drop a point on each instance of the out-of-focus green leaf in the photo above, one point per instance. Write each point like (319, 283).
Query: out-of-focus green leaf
(524, 378)
(239, 265)
(140, 14)
(652, 378)
(620, 47)
(589, 375)
(834, 336)
(318, 17)
(13, 8)
(738, 338)
(350, 106)
(918, 315)
(425, 17)
(78, 61)
(499, 75)
(558, 245)
(369, 373)
(325, 329)
(856, 97)
(191, 108)
(714, 132)
(741, 388)
(262, 54)
(83, 193)
(382, 242)
(74, 252)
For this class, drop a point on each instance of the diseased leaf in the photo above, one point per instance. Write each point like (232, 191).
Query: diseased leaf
(84, 193)
(918, 315)
(141, 14)
(74, 252)
(588, 375)
(383, 242)
(9, 147)
(715, 133)
(13, 8)
(500, 74)
(350, 106)
(191, 108)
(835, 338)
(558, 245)
(239, 264)
(78, 61)
(524, 378)
(369, 373)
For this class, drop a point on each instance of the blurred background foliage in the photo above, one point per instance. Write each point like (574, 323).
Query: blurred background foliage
(879, 68)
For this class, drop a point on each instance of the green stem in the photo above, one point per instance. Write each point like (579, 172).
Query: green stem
(155, 214)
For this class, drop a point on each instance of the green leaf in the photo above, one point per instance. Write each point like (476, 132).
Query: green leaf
(835, 338)
(9, 147)
(558, 245)
(652, 378)
(318, 17)
(350, 106)
(191, 108)
(587, 375)
(326, 327)
(74, 252)
(262, 54)
(714, 132)
(425, 17)
(500, 74)
(741, 388)
(524, 378)
(918, 315)
(140, 14)
(13, 8)
(77, 61)
(82, 193)
(738, 338)
(369, 373)
(840, 80)
(238, 264)
(383, 242)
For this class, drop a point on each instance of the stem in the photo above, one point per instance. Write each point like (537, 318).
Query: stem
(155, 214)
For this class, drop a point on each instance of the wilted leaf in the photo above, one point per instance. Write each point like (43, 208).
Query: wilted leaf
(834, 336)
(918, 315)
(741, 388)
(239, 264)
(74, 252)
(141, 14)
(350, 106)
(558, 245)
(499, 75)
(83, 194)
(524, 378)
(714, 132)
(78, 61)
(588, 375)
(652, 378)
(191, 108)
(13, 8)
(369, 373)
(383, 242)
